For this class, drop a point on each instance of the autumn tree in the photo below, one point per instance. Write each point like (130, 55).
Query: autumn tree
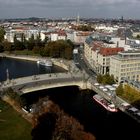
(55, 124)
(120, 90)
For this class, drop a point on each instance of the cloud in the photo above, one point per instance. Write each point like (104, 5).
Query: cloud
(88, 8)
(67, 3)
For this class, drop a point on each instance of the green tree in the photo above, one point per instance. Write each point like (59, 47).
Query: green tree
(1, 47)
(38, 41)
(105, 79)
(36, 49)
(138, 36)
(120, 90)
(31, 43)
(7, 46)
(45, 41)
(99, 78)
(2, 33)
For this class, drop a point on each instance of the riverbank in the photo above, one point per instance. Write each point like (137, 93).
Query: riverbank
(58, 62)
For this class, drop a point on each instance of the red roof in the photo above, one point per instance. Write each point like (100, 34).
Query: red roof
(110, 51)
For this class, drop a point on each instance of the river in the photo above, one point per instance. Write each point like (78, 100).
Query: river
(20, 68)
(103, 124)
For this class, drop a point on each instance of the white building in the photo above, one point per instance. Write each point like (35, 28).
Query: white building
(58, 35)
(98, 52)
(18, 32)
(126, 65)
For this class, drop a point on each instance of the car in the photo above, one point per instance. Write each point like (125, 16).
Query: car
(104, 89)
(137, 115)
(115, 85)
(133, 110)
(101, 87)
(125, 105)
(96, 84)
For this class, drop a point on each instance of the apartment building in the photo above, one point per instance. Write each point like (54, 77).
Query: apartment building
(102, 57)
(126, 65)
(10, 33)
(98, 50)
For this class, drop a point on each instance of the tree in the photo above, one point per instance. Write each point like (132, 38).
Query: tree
(2, 33)
(7, 46)
(138, 36)
(68, 53)
(99, 78)
(45, 127)
(36, 49)
(1, 47)
(38, 41)
(45, 41)
(17, 43)
(106, 79)
(31, 43)
(120, 90)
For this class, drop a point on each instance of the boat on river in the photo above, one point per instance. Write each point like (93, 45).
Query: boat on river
(105, 103)
(47, 63)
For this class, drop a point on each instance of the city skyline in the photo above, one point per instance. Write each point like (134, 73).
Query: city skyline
(69, 8)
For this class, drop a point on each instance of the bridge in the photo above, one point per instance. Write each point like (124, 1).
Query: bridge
(44, 81)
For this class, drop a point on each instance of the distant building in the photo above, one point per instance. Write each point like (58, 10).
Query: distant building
(58, 35)
(126, 65)
(19, 31)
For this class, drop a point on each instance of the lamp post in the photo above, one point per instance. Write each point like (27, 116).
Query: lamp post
(7, 76)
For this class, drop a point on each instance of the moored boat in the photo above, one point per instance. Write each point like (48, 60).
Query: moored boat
(105, 103)
(47, 63)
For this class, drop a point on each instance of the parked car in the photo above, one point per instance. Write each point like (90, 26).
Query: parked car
(96, 84)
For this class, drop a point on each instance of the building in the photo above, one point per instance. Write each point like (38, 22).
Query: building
(19, 31)
(58, 35)
(97, 51)
(102, 57)
(126, 65)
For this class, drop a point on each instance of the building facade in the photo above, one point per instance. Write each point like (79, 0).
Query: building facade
(126, 65)
(98, 50)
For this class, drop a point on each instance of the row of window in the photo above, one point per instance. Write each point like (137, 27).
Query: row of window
(133, 75)
(130, 69)
(130, 65)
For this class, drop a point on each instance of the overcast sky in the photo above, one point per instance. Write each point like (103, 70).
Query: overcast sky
(70, 8)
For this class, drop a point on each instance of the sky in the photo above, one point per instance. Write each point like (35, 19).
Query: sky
(70, 8)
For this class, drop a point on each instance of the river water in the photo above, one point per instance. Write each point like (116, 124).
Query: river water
(103, 124)
(20, 68)
(95, 119)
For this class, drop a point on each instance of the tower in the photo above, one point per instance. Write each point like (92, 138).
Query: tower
(78, 20)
